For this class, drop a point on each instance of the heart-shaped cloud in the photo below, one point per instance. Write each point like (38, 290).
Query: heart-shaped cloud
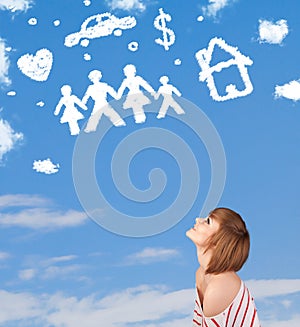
(38, 66)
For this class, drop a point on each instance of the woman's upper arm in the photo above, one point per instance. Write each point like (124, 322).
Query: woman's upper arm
(219, 295)
(214, 302)
(217, 298)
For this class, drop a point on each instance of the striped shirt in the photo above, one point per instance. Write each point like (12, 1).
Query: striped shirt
(240, 313)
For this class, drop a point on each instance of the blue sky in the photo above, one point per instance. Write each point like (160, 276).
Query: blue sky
(61, 268)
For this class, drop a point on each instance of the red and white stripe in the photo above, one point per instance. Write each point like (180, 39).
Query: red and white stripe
(241, 313)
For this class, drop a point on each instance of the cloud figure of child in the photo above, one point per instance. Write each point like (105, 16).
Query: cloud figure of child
(71, 114)
(166, 90)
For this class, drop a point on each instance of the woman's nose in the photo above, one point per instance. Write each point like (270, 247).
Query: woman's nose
(198, 220)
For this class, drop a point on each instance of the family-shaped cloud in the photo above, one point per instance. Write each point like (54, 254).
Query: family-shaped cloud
(98, 91)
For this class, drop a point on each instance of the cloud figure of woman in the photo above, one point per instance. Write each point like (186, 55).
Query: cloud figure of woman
(136, 99)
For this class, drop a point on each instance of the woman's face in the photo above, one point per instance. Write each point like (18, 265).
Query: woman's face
(203, 229)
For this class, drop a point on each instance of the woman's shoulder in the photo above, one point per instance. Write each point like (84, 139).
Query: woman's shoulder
(220, 293)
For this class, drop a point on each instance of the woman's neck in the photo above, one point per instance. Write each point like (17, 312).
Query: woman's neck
(203, 257)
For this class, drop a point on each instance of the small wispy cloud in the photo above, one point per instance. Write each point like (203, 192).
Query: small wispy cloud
(4, 255)
(59, 267)
(9, 138)
(37, 216)
(43, 218)
(62, 272)
(286, 303)
(60, 259)
(27, 274)
(127, 5)
(215, 6)
(272, 33)
(151, 255)
(294, 321)
(22, 200)
(4, 64)
(290, 91)
(16, 5)
(273, 287)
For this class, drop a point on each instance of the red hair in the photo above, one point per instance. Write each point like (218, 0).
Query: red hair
(230, 244)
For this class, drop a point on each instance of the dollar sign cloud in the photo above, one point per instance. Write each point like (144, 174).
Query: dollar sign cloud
(168, 35)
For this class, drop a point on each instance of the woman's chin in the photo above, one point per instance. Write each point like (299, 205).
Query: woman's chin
(189, 232)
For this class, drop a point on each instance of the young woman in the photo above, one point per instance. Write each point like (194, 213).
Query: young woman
(222, 299)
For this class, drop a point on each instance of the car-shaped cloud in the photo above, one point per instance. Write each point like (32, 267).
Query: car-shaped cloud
(99, 25)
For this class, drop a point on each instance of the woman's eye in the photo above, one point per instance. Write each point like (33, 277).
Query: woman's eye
(208, 221)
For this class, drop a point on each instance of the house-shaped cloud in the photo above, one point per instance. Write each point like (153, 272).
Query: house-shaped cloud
(204, 57)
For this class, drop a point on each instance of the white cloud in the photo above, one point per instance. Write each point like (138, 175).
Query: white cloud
(239, 60)
(43, 218)
(272, 33)
(4, 64)
(45, 166)
(54, 272)
(16, 5)
(126, 5)
(37, 217)
(273, 287)
(11, 93)
(27, 274)
(63, 258)
(4, 255)
(51, 268)
(214, 6)
(290, 90)
(293, 322)
(36, 66)
(177, 322)
(16, 306)
(22, 200)
(87, 2)
(8, 138)
(132, 305)
(286, 303)
(150, 255)
(145, 305)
